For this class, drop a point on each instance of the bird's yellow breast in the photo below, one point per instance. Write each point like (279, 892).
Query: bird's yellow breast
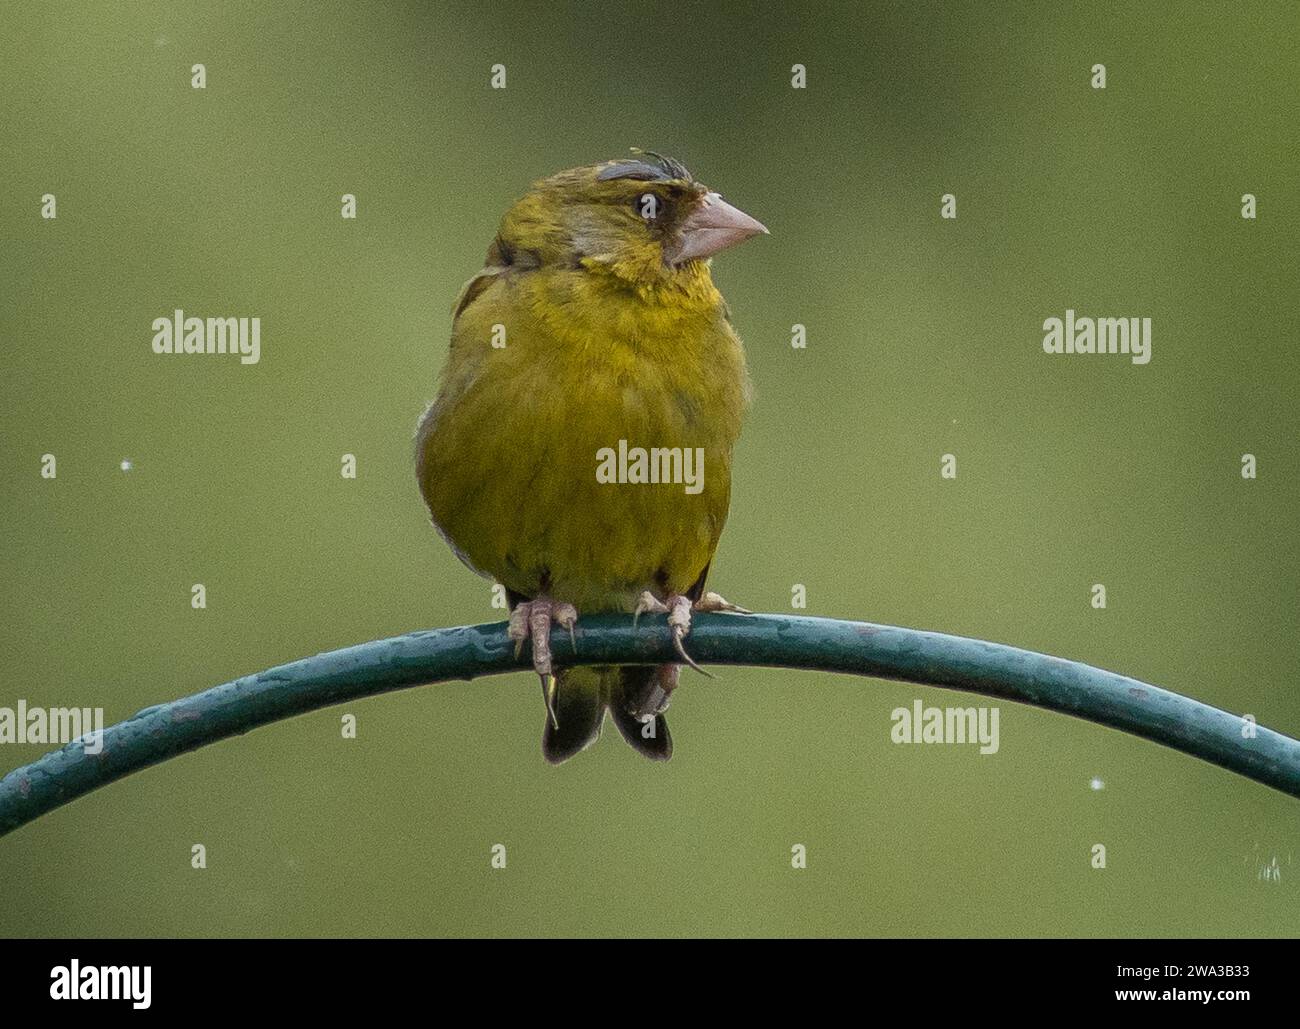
(510, 451)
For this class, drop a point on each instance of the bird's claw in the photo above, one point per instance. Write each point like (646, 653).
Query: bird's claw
(648, 603)
(711, 602)
(532, 619)
(549, 684)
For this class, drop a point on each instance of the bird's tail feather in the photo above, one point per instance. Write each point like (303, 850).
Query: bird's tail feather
(638, 697)
(579, 711)
(630, 692)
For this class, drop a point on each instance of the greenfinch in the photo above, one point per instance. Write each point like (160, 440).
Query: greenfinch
(579, 449)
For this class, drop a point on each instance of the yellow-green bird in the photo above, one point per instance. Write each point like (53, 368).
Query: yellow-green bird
(594, 330)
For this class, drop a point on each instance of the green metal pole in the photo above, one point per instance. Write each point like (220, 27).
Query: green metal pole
(815, 644)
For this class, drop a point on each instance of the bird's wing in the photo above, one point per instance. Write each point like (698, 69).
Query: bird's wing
(473, 289)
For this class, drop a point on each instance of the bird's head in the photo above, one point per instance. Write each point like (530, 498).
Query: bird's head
(643, 218)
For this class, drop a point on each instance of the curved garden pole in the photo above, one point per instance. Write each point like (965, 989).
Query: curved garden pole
(815, 644)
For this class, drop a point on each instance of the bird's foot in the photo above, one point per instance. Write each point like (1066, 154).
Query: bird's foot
(678, 608)
(532, 619)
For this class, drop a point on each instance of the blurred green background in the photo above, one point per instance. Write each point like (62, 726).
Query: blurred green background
(924, 337)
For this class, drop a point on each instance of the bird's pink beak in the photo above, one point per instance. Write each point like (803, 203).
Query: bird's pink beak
(714, 225)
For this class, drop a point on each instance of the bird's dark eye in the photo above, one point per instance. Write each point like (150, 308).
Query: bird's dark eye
(651, 206)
